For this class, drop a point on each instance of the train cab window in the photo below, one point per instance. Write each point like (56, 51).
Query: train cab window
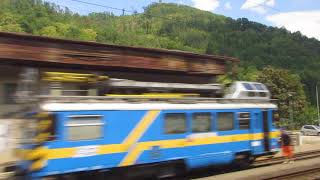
(225, 121)
(201, 122)
(259, 87)
(84, 127)
(175, 123)
(244, 120)
(248, 86)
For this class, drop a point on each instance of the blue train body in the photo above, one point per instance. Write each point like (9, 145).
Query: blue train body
(104, 136)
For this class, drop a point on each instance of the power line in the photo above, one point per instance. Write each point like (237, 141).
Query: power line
(124, 10)
(104, 6)
(66, 7)
(264, 5)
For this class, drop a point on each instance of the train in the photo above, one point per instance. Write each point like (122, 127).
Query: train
(73, 137)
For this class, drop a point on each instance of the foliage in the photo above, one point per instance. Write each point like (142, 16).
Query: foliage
(308, 116)
(173, 26)
(287, 88)
(249, 73)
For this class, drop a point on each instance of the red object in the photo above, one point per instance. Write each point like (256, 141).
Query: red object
(287, 151)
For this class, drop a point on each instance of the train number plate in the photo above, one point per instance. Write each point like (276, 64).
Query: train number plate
(85, 151)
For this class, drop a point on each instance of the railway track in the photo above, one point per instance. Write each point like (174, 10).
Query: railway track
(280, 159)
(208, 172)
(259, 163)
(305, 174)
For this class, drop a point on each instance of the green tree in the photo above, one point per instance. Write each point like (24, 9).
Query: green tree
(88, 35)
(172, 26)
(287, 88)
(9, 22)
(50, 31)
(249, 73)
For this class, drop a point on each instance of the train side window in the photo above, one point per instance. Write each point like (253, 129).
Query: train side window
(84, 127)
(175, 123)
(275, 118)
(225, 121)
(244, 120)
(201, 122)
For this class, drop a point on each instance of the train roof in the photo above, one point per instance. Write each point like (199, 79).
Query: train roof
(56, 106)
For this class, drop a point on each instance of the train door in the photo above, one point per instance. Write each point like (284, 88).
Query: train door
(256, 129)
(266, 130)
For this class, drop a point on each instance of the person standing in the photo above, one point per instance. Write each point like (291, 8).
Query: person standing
(286, 145)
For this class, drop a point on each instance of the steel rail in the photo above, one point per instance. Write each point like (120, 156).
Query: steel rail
(298, 174)
(280, 159)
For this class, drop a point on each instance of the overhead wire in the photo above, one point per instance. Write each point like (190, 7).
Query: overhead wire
(124, 10)
(66, 7)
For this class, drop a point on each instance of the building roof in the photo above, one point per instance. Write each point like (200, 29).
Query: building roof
(30, 49)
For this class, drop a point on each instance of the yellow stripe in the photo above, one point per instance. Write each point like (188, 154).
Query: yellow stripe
(135, 135)
(42, 137)
(38, 165)
(137, 132)
(154, 95)
(142, 146)
(132, 156)
(275, 134)
(37, 153)
(71, 152)
(44, 124)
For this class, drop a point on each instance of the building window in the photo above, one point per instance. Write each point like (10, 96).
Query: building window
(225, 121)
(9, 93)
(84, 127)
(201, 122)
(175, 123)
(244, 120)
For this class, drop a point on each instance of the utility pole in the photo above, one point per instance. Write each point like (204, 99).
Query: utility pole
(290, 109)
(291, 115)
(317, 96)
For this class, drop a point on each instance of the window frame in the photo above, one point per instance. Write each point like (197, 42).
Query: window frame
(67, 125)
(239, 118)
(259, 87)
(248, 86)
(312, 128)
(210, 122)
(186, 129)
(307, 127)
(217, 121)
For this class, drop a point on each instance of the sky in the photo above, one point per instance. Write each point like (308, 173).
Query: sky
(294, 15)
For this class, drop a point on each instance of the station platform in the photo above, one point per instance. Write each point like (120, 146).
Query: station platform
(309, 143)
(265, 172)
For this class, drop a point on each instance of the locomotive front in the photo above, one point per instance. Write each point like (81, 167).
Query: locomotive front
(38, 130)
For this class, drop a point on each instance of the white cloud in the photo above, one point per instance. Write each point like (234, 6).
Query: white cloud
(259, 6)
(207, 5)
(227, 6)
(183, 2)
(270, 3)
(307, 22)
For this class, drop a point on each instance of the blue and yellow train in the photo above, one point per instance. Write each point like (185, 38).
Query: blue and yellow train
(146, 138)
(92, 137)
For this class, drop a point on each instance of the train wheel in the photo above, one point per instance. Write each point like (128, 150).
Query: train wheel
(243, 160)
(171, 170)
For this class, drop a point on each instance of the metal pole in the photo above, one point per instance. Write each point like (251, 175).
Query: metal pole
(290, 110)
(317, 96)
(291, 115)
